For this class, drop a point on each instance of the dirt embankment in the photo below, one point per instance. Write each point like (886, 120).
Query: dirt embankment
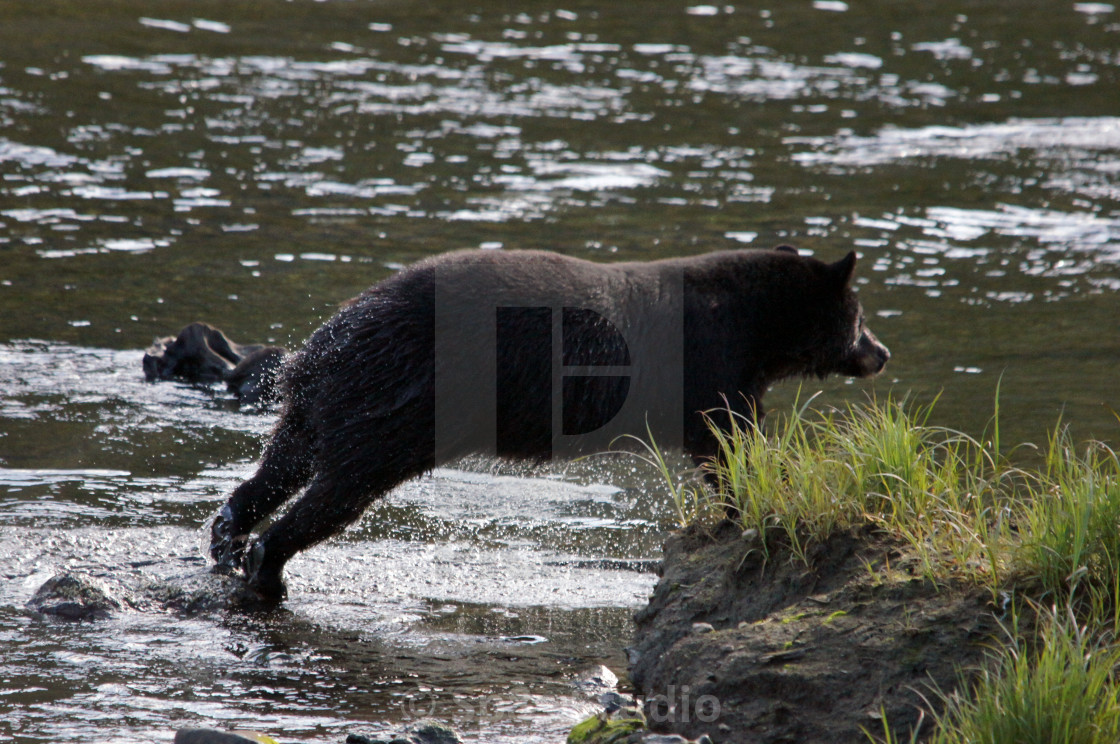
(753, 645)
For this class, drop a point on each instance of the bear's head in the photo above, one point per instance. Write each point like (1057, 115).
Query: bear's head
(817, 324)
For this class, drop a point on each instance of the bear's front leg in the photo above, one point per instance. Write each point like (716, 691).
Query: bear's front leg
(325, 509)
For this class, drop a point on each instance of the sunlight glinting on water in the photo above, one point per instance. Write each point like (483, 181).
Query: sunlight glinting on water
(208, 163)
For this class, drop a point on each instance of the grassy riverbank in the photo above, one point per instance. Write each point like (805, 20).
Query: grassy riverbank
(1036, 528)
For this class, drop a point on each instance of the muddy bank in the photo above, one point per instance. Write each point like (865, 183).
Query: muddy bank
(743, 642)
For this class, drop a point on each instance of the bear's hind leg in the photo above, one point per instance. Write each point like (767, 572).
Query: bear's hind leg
(330, 504)
(287, 465)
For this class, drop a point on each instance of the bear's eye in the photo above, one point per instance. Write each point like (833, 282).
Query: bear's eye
(857, 330)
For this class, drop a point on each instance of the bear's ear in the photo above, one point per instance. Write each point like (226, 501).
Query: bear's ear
(844, 268)
(787, 249)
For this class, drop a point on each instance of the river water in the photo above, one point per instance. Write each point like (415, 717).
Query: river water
(254, 165)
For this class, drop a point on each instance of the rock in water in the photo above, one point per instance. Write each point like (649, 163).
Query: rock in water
(422, 732)
(73, 598)
(598, 679)
(430, 732)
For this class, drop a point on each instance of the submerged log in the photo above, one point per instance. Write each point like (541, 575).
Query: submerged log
(201, 353)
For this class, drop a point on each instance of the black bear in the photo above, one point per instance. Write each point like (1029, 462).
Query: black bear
(530, 354)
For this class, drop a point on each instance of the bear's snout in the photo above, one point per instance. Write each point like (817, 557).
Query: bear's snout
(871, 355)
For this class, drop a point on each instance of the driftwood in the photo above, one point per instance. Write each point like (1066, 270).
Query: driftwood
(203, 354)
